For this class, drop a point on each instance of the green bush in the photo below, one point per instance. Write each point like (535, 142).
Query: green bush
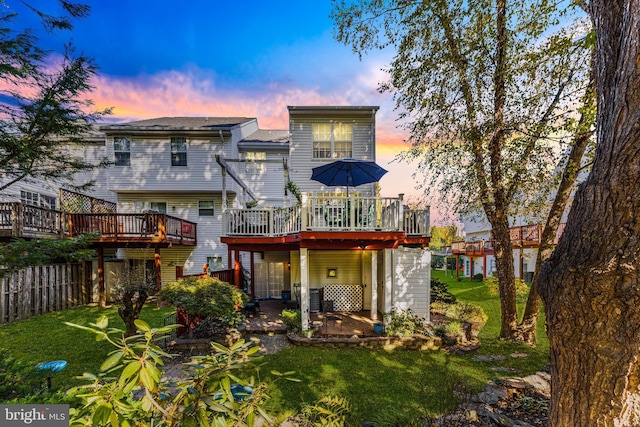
(206, 297)
(463, 312)
(478, 277)
(129, 389)
(440, 292)
(293, 320)
(403, 323)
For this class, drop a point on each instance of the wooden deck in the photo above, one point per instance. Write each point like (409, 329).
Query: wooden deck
(147, 228)
(116, 229)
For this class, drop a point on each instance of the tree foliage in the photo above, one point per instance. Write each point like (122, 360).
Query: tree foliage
(488, 90)
(20, 253)
(44, 108)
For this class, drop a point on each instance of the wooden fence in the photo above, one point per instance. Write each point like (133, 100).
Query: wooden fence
(37, 290)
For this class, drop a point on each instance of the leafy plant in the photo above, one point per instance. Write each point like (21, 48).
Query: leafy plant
(522, 289)
(328, 411)
(206, 297)
(293, 320)
(293, 188)
(440, 292)
(478, 277)
(251, 204)
(403, 323)
(129, 390)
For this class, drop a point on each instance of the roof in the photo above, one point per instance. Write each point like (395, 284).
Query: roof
(201, 124)
(263, 135)
(333, 112)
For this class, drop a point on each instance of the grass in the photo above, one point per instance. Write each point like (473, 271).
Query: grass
(392, 388)
(45, 338)
(378, 383)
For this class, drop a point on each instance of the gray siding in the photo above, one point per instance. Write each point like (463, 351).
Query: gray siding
(301, 159)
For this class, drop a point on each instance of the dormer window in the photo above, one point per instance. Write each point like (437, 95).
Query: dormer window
(332, 140)
(178, 151)
(122, 150)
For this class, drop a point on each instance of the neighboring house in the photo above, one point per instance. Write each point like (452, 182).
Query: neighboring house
(180, 190)
(475, 254)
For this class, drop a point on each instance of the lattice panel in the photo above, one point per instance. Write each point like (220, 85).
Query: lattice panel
(72, 202)
(344, 297)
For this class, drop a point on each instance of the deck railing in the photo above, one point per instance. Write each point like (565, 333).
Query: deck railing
(121, 226)
(328, 213)
(20, 220)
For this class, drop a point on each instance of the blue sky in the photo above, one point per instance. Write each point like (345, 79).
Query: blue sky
(221, 58)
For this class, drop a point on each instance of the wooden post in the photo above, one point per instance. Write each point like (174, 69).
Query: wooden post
(253, 286)
(237, 270)
(304, 287)
(158, 268)
(102, 294)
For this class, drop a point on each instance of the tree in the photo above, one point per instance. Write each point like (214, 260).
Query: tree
(44, 108)
(486, 89)
(131, 290)
(591, 283)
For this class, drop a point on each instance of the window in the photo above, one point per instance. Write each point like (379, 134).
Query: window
(35, 199)
(122, 149)
(215, 263)
(29, 198)
(255, 162)
(332, 140)
(178, 151)
(157, 207)
(205, 208)
(47, 202)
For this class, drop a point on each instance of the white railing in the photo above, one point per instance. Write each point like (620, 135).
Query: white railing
(269, 221)
(328, 213)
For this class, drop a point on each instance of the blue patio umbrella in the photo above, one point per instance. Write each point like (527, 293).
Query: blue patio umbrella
(349, 172)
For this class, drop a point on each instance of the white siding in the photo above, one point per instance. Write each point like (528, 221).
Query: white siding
(301, 153)
(268, 185)
(151, 168)
(412, 280)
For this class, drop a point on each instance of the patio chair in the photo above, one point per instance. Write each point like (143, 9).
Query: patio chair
(329, 316)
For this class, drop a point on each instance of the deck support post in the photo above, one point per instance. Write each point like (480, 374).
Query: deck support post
(374, 285)
(304, 287)
(102, 294)
(158, 268)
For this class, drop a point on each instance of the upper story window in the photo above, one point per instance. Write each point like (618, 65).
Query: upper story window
(205, 208)
(178, 151)
(332, 140)
(255, 162)
(122, 149)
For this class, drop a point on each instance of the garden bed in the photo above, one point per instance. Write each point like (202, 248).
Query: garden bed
(422, 343)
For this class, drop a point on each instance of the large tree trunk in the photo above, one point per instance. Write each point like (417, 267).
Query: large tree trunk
(527, 328)
(591, 283)
(506, 276)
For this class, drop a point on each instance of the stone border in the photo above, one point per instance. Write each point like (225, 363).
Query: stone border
(422, 343)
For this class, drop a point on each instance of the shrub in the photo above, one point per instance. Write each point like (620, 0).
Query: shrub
(206, 297)
(129, 390)
(440, 292)
(522, 289)
(463, 312)
(403, 323)
(478, 277)
(293, 320)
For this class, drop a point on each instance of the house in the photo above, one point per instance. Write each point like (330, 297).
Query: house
(187, 193)
(475, 255)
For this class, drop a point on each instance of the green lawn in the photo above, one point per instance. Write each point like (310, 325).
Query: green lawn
(390, 387)
(46, 337)
(401, 385)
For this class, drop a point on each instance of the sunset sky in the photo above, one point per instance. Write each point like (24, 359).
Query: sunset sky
(224, 58)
